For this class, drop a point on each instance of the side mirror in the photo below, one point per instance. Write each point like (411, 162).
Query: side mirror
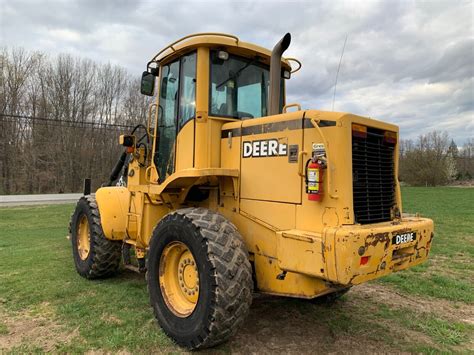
(147, 86)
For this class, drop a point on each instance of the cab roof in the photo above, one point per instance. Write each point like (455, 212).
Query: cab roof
(230, 42)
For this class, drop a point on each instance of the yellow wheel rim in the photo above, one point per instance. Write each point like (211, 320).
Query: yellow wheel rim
(83, 238)
(179, 279)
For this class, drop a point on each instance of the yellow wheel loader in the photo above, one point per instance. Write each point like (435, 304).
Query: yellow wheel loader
(227, 190)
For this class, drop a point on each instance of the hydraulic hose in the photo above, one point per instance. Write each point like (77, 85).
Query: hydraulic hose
(117, 168)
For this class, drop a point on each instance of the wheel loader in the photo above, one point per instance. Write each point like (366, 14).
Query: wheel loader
(228, 190)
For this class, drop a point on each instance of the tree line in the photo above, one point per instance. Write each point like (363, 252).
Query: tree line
(435, 159)
(60, 118)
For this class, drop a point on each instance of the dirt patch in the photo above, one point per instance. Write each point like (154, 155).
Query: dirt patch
(34, 328)
(458, 311)
(291, 326)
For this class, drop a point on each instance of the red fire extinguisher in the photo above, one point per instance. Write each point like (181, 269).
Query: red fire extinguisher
(314, 179)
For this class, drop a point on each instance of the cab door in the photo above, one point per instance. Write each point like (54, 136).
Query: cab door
(186, 113)
(176, 111)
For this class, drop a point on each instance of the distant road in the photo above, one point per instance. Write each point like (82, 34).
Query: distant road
(19, 200)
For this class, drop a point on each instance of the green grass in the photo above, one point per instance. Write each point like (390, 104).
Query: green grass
(434, 285)
(452, 210)
(442, 331)
(37, 269)
(448, 274)
(37, 277)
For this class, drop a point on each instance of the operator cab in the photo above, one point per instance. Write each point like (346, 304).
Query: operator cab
(208, 78)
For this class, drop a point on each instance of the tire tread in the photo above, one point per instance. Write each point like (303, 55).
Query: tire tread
(106, 254)
(232, 275)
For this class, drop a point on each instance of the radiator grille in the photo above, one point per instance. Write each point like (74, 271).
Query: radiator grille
(373, 177)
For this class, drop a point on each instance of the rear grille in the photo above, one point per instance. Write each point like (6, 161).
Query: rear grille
(373, 177)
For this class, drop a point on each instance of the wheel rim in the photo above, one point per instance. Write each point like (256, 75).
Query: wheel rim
(179, 279)
(83, 238)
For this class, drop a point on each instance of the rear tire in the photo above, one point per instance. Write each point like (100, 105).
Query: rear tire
(200, 246)
(94, 255)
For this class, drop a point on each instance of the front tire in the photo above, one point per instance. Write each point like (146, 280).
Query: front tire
(94, 255)
(199, 277)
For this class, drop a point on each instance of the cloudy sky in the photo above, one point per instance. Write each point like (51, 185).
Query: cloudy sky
(406, 62)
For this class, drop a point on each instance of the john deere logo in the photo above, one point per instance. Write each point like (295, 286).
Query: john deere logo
(264, 148)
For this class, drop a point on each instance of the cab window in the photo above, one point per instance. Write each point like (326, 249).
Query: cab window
(239, 87)
(187, 102)
(167, 111)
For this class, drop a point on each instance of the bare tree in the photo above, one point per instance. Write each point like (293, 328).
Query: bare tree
(465, 161)
(70, 100)
(16, 67)
(427, 162)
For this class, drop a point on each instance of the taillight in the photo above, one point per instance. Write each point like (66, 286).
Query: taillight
(359, 131)
(390, 137)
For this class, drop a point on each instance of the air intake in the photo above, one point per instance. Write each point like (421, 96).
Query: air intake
(373, 176)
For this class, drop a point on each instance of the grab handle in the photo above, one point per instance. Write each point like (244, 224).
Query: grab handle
(328, 162)
(286, 107)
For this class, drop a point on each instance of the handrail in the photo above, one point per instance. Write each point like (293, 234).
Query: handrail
(328, 161)
(170, 46)
(286, 107)
(294, 60)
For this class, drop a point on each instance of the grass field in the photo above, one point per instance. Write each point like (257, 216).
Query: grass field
(45, 306)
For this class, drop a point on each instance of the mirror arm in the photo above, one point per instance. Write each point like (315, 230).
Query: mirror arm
(152, 70)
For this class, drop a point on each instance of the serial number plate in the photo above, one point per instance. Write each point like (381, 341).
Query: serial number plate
(403, 238)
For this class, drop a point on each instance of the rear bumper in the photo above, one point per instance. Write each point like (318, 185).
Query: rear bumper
(336, 254)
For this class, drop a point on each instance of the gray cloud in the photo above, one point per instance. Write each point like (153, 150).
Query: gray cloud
(456, 63)
(407, 62)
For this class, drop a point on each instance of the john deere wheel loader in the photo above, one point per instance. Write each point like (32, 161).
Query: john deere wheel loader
(230, 190)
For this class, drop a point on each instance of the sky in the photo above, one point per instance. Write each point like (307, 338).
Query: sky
(406, 62)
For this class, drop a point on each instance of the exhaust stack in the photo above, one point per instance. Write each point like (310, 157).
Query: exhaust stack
(275, 74)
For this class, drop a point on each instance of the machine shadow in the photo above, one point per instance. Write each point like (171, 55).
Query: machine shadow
(290, 325)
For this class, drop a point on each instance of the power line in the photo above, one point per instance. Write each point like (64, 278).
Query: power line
(58, 124)
(67, 123)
